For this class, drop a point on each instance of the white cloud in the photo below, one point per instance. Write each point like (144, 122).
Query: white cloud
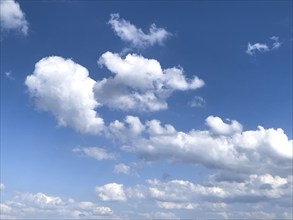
(140, 83)
(9, 75)
(63, 88)
(174, 205)
(122, 168)
(130, 33)
(39, 205)
(2, 186)
(223, 147)
(95, 152)
(197, 102)
(123, 131)
(12, 17)
(252, 48)
(260, 47)
(219, 127)
(5, 209)
(276, 43)
(215, 196)
(111, 192)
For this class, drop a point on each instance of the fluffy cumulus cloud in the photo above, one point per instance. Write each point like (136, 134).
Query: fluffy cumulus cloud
(95, 152)
(39, 205)
(62, 87)
(12, 17)
(262, 48)
(140, 83)
(224, 146)
(111, 192)
(219, 127)
(135, 36)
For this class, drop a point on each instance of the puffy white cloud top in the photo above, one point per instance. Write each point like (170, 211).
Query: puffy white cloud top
(12, 17)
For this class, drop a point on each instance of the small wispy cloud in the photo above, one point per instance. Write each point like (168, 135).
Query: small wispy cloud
(95, 152)
(9, 75)
(276, 43)
(130, 33)
(197, 102)
(262, 47)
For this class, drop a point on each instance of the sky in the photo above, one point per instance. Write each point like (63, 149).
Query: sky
(146, 110)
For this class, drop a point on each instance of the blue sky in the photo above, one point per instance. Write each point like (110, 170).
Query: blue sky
(165, 110)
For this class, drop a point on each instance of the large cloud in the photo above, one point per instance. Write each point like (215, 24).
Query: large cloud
(140, 83)
(64, 88)
(130, 33)
(12, 17)
(224, 147)
(40, 205)
(218, 197)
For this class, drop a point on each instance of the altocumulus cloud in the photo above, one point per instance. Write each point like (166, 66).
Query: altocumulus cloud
(130, 33)
(12, 17)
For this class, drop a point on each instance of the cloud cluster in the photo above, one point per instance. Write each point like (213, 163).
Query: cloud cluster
(223, 147)
(214, 196)
(94, 152)
(135, 36)
(12, 17)
(39, 205)
(140, 83)
(64, 88)
(260, 47)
